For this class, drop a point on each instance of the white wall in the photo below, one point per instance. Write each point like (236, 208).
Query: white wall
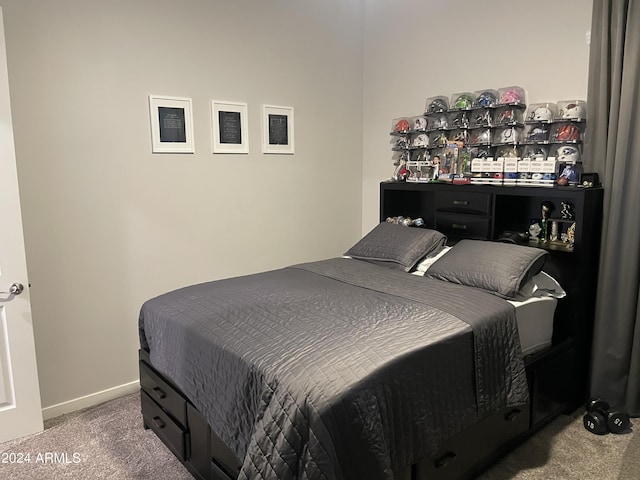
(418, 49)
(107, 223)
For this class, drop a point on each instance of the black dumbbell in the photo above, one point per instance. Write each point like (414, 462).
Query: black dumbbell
(600, 420)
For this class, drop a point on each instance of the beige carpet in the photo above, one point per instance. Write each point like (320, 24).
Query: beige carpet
(108, 442)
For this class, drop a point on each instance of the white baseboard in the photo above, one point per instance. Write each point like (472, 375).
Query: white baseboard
(90, 400)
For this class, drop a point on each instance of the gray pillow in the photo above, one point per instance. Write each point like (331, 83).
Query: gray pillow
(397, 245)
(500, 268)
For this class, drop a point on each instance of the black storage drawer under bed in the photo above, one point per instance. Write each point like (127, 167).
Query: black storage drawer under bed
(170, 432)
(163, 394)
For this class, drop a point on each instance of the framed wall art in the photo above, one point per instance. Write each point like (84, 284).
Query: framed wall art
(229, 127)
(277, 129)
(171, 124)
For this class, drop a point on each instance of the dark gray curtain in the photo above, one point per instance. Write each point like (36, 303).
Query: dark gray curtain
(612, 149)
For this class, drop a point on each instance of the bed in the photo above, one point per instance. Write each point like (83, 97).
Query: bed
(401, 360)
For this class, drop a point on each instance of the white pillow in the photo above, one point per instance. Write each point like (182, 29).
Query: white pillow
(424, 264)
(542, 285)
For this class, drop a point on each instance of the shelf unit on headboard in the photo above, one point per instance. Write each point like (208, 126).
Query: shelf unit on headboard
(557, 377)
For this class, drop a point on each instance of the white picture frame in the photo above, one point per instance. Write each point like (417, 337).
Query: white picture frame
(229, 127)
(171, 124)
(277, 130)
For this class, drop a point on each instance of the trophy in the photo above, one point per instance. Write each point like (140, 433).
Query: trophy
(547, 208)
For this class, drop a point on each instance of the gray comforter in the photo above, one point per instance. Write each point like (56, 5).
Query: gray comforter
(336, 369)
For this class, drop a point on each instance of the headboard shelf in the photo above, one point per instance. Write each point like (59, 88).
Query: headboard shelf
(487, 212)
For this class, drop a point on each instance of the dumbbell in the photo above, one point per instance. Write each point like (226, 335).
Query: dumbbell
(600, 420)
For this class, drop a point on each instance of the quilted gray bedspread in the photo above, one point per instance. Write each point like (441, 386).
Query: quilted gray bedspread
(338, 369)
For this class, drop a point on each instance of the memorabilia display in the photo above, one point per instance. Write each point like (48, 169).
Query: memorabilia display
(498, 137)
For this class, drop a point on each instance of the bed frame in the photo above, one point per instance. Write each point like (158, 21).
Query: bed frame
(557, 376)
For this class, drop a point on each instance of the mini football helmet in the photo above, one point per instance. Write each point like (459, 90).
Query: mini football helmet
(419, 123)
(439, 138)
(460, 120)
(402, 126)
(508, 135)
(510, 96)
(538, 134)
(573, 111)
(567, 133)
(535, 153)
(439, 122)
(463, 101)
(508, 152)
(482, 118)
(438, 105)
(481, 137)
(401, 143)
(420, 140)
(568, 154)
(486, 99)
(459, 136)
(542, 114)
(507, 116)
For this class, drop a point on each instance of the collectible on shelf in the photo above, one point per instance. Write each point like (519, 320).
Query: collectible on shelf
(420, 140)
(480, 136)
(565, 132)
(486, 98)
(438, 122)
(535, 152)
(419, 123)
(566, 212)
(437, 104)
(567, 153)
(537, 133)
(462, 101)
(508, 135)
(542, 112)
(459, 119)
(575, 110)
(534, 229)
(546, 208)
(438, 138)
(459, 135)
(400, 143)
(481, 118)
(511, 96)
(508, 116)
(509, 157)
(569, 174)
(401, 125)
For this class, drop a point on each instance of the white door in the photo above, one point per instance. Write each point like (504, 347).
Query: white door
(20, 409)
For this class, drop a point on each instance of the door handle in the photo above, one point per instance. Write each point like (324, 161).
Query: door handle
(14, 289)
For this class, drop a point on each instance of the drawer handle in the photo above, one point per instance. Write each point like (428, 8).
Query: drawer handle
(458, 226)
(512, 415)
(159, 393)
(461, 202)
(444, 460)
(158, 421)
